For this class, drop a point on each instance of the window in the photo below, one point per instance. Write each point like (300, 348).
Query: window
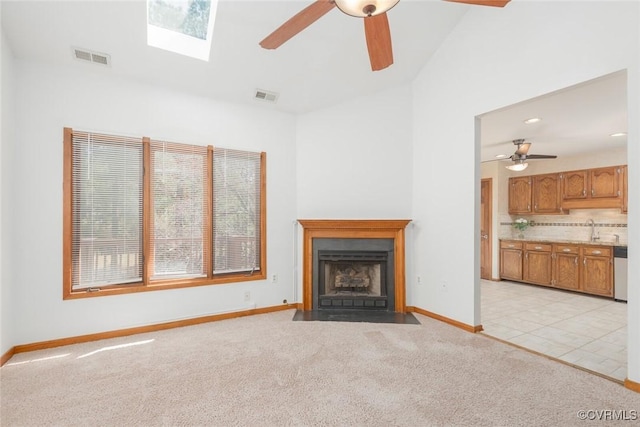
(141, 214)
(182, 26)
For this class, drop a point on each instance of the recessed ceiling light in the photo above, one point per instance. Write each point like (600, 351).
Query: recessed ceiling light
(619, 134)
(532, 120)
(501, 156)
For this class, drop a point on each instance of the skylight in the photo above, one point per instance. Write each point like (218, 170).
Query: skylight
(181, 26)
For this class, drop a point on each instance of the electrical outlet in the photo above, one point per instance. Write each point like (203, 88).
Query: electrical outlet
(443, 287)
(247, 296)
(419, 280)
(274, 278)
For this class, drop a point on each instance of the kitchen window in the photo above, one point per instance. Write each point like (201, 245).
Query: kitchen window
(141, 215)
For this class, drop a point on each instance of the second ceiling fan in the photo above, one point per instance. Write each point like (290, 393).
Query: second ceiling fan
(376, 24)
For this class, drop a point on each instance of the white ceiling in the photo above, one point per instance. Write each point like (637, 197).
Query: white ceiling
(575, 120)
(325, 64)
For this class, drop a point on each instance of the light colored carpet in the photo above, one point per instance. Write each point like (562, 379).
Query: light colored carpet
(267, 370)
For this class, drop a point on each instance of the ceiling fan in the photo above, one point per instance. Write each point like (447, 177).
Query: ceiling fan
(521, 155)
(376, 24)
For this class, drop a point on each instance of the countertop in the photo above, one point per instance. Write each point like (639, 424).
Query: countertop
(568, 242)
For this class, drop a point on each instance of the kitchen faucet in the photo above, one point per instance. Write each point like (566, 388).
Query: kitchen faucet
(594, 235)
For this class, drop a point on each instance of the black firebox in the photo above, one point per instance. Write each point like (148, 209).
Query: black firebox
(353, 274)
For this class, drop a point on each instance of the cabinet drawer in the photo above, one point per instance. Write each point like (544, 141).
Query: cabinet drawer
(566, 249)
(597, 251)
(508, 244)
(540, 247)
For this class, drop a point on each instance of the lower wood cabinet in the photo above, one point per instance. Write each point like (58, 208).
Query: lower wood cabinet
(511, 260)
(583, 268)
(537, 264)
(566, 267)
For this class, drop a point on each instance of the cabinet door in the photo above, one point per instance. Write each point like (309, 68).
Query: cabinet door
(566, 271)
(546, 193)
(604, 182)
(625, 187)
(537, 267)
(511, 264)
(597, 275)
(520, 195)
(574, 185)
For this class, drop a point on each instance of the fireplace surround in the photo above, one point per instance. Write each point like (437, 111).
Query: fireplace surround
(353, 264)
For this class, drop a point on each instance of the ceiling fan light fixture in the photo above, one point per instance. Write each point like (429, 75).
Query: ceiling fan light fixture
(518, 167)
(364, 8)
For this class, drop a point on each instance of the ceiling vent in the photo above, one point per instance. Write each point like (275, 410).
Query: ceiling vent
(91, 56)
(265, 95)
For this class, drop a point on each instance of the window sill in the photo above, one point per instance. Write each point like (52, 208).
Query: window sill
(159, 285)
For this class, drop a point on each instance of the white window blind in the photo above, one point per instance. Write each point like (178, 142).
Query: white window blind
(106, 210)
(236, 211)
(180, 204)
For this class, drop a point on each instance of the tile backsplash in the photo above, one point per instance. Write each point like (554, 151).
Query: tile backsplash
(575, 226)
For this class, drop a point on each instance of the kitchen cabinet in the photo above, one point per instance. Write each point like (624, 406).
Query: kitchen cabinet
(557, 193)
(624, 185)
(511, 260)
(597, 270)
(566, 266)
(537, 264)
(597, 188)
(520, 195)
(546, 194)
(577, 267)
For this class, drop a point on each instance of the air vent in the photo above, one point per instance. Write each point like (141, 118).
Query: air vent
(91, 56)
(265, 95)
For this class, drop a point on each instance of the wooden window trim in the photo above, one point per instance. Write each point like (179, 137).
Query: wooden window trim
(148, 285)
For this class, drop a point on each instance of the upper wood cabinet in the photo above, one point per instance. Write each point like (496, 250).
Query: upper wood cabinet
(604, 182)
(520, 195)
(546, 194)
(537, 194)
(624, 185)
(557, 193)
(574, 185)
(592, 188)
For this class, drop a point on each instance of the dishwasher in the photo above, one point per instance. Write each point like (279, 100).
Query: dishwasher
(620, 273)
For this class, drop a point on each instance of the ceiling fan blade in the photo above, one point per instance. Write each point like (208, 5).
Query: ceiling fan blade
(297, 23)
(523, 148)
(495, 3)
(540, 156)
(378, 35)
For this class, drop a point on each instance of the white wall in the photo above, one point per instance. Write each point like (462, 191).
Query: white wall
(7, 335)
(495, 58)
(354, 162)
(87, 97)
(354, 159)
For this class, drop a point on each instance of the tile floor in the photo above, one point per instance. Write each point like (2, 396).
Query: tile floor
(586, 331)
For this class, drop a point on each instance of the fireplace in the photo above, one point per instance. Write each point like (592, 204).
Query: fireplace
(353, 274)
(353, 265)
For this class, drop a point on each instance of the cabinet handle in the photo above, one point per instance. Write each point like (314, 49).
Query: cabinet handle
(535, 207)
(538, 247)
(575, 261)
(584, 193)
(512, 246)
(593, 192)
(528, 207)
(566, 250)
(584, 261)
(526, 256)
(596, 252)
